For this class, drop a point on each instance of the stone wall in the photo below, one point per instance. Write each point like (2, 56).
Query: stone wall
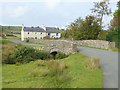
(97, 44)
(64, 46)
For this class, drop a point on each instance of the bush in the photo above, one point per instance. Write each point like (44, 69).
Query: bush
(60, 55)
(46, 37)
(13, 54)
(10, 35)
(4, 36)
(27, 40)
(42, 55)
(27, 54)
(7, 51)
(23, 55)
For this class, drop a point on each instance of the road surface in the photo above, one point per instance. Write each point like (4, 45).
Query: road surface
(24, 43)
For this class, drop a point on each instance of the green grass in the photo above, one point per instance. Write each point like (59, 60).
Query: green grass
(37, 74)
(4, 41)
(115, 49)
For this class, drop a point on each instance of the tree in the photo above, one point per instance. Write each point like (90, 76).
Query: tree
(114, 29)
(100, 9)
(84, 29)
(116, 19)
(102, 35)
(90, 28)
(73, 30)
(63, 33)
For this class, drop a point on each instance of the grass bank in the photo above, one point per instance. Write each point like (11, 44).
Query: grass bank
(69, 72)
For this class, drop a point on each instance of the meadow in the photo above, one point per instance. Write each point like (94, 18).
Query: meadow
(70, 72)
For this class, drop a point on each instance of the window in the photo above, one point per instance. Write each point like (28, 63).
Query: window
(35, 37)
(48, 33)
(35, 33)
(41, 33)
(56, 34)
(28, 32)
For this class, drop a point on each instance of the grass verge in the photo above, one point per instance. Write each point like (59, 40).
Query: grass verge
(69, 72)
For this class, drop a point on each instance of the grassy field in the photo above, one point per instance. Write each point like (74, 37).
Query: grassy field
(69, 72)
(4, 41)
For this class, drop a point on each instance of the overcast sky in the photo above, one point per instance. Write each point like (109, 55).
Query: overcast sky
(48, 12)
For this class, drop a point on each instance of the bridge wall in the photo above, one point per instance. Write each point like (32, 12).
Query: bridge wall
(64, 46)
(97, 44)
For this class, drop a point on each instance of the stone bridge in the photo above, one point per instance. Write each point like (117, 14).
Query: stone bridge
(64, 46)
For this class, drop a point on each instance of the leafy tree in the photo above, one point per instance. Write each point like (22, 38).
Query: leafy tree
(74, 30)
(114, 29)
(103, 34)
(84, 29)
(63, 33)
(91, 27)
(100, 9)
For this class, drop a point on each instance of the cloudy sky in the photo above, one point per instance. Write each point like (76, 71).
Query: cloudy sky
(48, 12)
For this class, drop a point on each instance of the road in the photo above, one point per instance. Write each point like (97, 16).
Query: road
(24, 43)
(109, 64)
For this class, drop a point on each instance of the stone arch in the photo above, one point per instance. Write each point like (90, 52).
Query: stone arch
(54, 50)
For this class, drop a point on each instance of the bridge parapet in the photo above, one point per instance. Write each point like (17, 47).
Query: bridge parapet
(64, 46)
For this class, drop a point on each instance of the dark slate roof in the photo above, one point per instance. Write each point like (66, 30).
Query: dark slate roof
(33, 29)
(52, 30)
(39, 29)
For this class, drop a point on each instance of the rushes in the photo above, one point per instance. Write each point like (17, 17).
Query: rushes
(92, 63)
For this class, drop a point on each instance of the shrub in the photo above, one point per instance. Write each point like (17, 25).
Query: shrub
(4, 36)
(60, 55)
(23, 55)
(7, 51)
(10, 35)
(13, 54)
(92, 63)
(42, 55)
(46, 37)
(27, 40)
(27, 54)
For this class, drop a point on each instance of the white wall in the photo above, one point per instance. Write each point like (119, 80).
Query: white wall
(53, 35)
(22, 34)
(39, 35)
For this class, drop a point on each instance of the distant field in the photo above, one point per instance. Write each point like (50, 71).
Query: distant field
(51, 74)
(10, 29)
(10, 32)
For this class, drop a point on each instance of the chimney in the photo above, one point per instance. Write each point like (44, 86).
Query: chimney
(22, 33)
(56, 27)
(22, 26)
(43, 26)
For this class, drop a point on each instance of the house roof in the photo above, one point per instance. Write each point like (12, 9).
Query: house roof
(33, 29)
(39, 29)
(52, 30)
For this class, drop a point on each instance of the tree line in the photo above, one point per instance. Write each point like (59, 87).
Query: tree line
(91, 28)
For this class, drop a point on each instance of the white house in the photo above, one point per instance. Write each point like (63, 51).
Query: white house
(39, 32)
